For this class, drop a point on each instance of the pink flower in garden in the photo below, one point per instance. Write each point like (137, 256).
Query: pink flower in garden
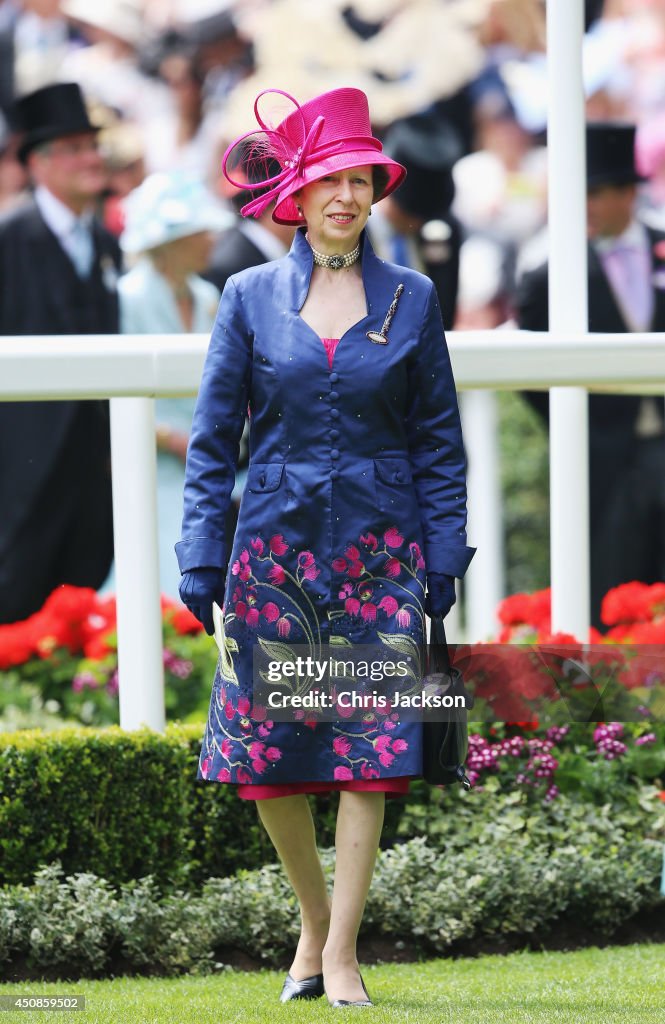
(205, 767)
(252, 617)
(369, 771)
(229, 710)
(243, 706)
(393, 568)
(388, 604)
(243, 775)
(342, 773)
(259, 765)
(339, 564)
(355, 570)
(256, 749)
(226, 747)
(403, 618)
(341, 745)
(277, 575)
(382, 743)
(352, 553)
(393, 538)
(270, 611)
(368, 612)
(273, 753)
(386, 758)
(370, 541)
(277, 545)
(352, 605)
(283, 627)
(224, 775)
(648, 737)
(257, 544)
(399, 746)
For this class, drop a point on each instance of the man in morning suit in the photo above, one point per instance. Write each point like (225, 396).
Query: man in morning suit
(58, 275)
(626, 432)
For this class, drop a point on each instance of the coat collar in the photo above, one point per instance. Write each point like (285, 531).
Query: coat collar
(301, 263)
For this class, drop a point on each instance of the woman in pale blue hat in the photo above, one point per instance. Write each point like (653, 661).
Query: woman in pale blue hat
(170, 224)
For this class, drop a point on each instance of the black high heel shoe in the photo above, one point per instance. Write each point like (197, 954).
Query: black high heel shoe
(308, 988)
(352, 1002)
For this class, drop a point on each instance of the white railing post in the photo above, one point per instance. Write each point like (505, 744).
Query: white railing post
(140, 664)
(484, 582)
(568, 312)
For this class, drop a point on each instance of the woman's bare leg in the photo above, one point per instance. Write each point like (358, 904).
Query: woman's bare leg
(359, 824)
(288, 821)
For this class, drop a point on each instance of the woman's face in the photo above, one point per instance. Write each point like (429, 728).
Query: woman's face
(336, 207)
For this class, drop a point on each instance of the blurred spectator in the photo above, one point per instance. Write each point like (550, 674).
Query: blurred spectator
(34, 39)
(121, 145)
(13, 178)
(169, 224)
(626, 432)
(422, 233)
(58, 275)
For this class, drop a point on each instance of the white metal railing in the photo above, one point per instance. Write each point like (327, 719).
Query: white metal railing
(133, 369)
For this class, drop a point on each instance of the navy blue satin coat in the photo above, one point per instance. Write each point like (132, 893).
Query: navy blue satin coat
(356, 487)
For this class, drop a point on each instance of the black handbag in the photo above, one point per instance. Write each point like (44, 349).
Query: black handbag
(445, 744)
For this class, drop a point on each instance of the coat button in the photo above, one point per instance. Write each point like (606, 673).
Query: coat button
(334, 453)
(334, 474)
(334, 434)
(333, 378)
(334, 396)
(334, 413)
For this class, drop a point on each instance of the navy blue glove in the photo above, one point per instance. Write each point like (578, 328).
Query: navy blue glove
(441, 594)
(198, 589)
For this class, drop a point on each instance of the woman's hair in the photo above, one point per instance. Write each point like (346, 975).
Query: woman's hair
(380, 178)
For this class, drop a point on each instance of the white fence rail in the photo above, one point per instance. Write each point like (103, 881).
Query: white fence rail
(131, 370)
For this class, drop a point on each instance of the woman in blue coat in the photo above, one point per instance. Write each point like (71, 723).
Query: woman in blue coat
(355, 498)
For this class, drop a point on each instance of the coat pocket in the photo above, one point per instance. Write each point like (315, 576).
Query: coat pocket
(264, 476)
(393, 481)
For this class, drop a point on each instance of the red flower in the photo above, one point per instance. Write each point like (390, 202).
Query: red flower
(341, 745)
(339, 564)
(270, 611)
(277, 545)
(388, 604)
(277, 575)
(393, 537)
(393, 567)
(370, 541)
(184, 622)
(352, 553)
(368, 612)
(352, 605)
(355, 570)
(342, 773)
(528, 609)
(369, 771)
(252, 617)
(661, 795)
(243, 775)
(224, 775)
(243, 706)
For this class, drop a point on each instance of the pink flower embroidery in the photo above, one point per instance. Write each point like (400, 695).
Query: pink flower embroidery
(403, 618)
(417, 554)
(252, 617)
(305, 558)
(241, 570)
(352, 605)
(311, 572)
(229, 710)
(346, 590)
(368, 612)
(352, 553)
(342, 773)
(393, 568)
(388, 725)
(259, 765)
(388, 604)
(256, 749)
(205, 767)
(243, 706)
(369, 771)
(341, 745)
(244, 556)
(382, 743)
(264, 730)
(370, 540)
(277, 545)
(355, 570)
(258, 545)
(283, 627)
(277, 575)
(224, 775)
(259, 713)
(273, 753)
(399, 746)
(386, 758)
(226, 747)
(241, 609)
(393, 538)
(244, 775)
(339, 564)
(270, 611)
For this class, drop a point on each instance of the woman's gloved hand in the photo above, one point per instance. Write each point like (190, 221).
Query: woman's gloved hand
(441, 594)
(198, 589)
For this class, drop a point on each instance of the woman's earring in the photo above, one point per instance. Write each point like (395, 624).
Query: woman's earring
(369, 214)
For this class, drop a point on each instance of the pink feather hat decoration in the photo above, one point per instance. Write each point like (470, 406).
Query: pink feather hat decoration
(331, 132)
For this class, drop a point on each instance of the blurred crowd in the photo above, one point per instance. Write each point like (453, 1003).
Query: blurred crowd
(458, 93)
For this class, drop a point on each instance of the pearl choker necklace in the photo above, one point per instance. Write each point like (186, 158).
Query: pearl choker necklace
(336, 262)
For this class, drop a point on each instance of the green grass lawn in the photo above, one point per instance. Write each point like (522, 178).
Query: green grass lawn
(619, 985)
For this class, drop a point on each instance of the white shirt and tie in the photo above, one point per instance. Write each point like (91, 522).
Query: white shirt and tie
(73, 233)
(626, 260)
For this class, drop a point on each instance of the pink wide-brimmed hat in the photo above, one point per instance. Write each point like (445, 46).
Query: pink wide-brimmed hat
(329, 133)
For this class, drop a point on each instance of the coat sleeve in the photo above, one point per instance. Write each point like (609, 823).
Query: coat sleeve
(217, 426)
(436, 450)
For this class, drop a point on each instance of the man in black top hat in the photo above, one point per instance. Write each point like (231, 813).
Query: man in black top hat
(424, 233)
(626, 432)
(58, 274)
